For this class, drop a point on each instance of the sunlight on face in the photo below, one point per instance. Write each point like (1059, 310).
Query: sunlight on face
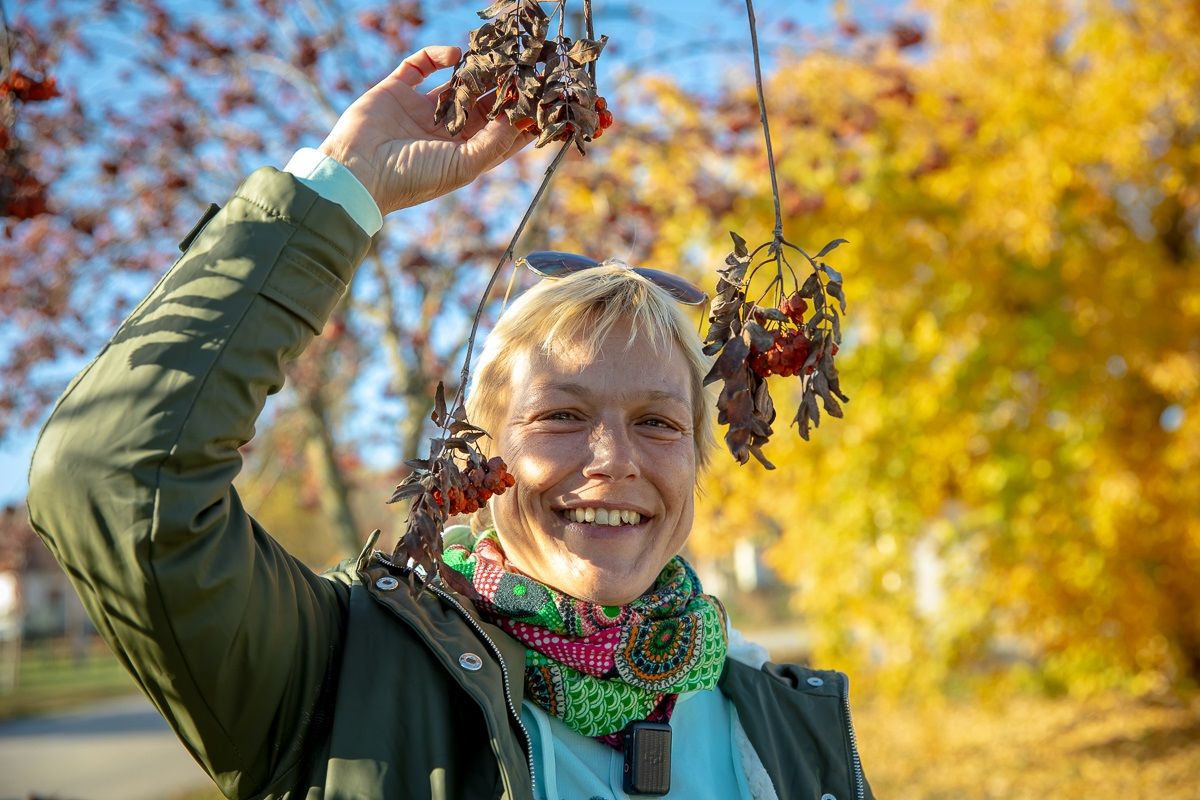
(593, 442)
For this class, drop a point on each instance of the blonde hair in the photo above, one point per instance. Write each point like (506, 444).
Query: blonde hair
(581, 309)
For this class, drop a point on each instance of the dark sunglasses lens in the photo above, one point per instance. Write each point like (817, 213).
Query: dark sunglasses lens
(551, 264)
(674, 285)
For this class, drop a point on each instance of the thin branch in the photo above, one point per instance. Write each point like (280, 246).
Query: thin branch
(295, 77)
(8, 109)
(762, 109)
(591, 34)
(5, 48)
(505, 257)
(693, 48)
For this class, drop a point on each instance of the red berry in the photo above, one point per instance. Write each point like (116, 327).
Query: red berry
(601, 104)
(794, 306)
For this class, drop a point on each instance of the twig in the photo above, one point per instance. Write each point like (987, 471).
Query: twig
(591, 35)
(505, 257)
(762, 109)
(288, 73)
(5, 48)
(8, 111)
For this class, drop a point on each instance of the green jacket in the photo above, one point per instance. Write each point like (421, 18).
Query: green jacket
(280, 682)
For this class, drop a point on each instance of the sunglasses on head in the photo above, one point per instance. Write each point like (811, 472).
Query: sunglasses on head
(550, 264)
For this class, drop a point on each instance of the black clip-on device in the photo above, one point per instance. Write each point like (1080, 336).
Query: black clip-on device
(647, 758)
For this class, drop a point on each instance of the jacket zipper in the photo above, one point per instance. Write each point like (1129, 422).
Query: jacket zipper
(860, 783)
(512, 709)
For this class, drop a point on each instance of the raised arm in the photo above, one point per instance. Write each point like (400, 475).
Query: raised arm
(130, 485)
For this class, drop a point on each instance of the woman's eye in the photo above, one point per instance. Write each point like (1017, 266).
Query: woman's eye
(560, 416)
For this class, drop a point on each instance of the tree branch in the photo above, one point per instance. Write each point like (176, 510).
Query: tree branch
(762, 110)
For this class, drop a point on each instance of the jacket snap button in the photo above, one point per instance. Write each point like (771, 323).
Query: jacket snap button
(814, 681)
(825, 796)
(470, 661)
(387, 583)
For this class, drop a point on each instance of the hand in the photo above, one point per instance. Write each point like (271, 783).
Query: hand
(387, 137)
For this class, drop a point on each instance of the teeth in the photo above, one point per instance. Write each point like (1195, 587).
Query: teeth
(603, 516)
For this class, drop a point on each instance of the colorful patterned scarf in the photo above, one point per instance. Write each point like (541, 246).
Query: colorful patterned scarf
(595, 667)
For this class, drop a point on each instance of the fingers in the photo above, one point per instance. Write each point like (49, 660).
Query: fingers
(521, 142)
(495, 143)
(436, 91)
(478, 118)
(424, 63)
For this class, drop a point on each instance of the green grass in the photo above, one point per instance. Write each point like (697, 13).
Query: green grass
(51, 678)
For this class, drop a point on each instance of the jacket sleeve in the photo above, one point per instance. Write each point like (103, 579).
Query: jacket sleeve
(130, 484)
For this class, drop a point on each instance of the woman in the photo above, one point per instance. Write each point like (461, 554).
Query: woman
(284, 684)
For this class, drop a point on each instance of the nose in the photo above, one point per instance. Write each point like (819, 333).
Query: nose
(612, 453)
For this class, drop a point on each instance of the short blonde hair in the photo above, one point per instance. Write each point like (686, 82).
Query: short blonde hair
(582, 309)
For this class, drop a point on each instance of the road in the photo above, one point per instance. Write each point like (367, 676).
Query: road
(115, 750)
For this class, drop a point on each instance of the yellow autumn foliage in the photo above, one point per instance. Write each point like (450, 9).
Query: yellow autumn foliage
(1015, 489)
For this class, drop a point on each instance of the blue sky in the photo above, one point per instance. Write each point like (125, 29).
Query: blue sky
(704, 44)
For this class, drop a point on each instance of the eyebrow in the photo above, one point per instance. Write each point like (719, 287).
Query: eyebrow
(581, 391)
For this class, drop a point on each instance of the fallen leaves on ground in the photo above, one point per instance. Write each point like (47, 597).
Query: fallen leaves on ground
(1112, 748)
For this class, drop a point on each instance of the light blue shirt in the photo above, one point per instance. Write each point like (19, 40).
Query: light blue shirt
(333, 181)
(704, 760)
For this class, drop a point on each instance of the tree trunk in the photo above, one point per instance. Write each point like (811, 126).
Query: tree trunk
(333, 491)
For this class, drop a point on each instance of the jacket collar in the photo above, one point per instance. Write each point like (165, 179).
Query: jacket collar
(437, 615)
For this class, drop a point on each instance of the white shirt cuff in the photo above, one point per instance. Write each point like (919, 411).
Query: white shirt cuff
(333, 181)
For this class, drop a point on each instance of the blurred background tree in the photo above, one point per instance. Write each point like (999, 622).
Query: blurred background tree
(1013, 491)
(1014, 488)
(171, 106)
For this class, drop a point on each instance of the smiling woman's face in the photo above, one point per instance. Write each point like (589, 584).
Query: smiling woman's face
(589, 439)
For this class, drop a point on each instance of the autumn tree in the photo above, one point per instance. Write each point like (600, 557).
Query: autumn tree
(1015, 478)
(169, 108)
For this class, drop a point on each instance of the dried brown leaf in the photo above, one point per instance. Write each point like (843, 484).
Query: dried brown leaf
(811, 287)
(757, 337)
(584, 51)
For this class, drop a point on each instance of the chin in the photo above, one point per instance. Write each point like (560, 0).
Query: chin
(608, 587)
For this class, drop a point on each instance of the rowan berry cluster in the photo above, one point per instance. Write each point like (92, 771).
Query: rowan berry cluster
(545, 85)
(604, 122)
(794, 307)
(786, 356)
(480, 484)
(606, 117)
